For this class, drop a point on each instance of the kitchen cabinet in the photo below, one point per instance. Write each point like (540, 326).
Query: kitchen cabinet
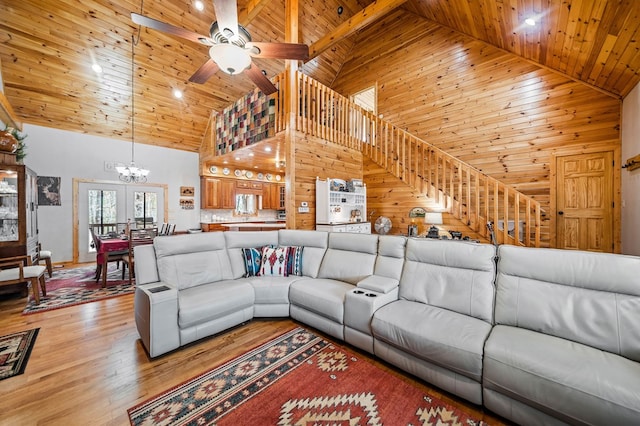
(356, 228)
(217, 193)
(272, 196)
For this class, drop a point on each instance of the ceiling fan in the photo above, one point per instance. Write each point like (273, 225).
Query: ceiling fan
(230, 46)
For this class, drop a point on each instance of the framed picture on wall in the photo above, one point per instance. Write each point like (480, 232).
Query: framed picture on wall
(48, 191)
(187, 191)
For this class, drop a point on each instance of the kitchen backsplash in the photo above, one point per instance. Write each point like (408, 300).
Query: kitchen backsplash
(219, 215)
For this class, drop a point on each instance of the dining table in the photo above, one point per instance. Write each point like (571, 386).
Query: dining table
(107, 245)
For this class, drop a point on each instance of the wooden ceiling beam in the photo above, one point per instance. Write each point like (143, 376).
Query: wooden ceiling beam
(251, 11)
(358, 21)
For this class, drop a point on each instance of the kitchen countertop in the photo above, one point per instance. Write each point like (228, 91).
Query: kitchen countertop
(275, 225)
(254, 224)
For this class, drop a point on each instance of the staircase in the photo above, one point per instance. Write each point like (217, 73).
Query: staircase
(456, 187)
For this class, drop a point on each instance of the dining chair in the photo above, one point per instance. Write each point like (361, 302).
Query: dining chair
(137, 237)
(46, 256)
(112, 256)
(19, 269)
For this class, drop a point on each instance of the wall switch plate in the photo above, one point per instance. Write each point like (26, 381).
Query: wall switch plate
(109, 166)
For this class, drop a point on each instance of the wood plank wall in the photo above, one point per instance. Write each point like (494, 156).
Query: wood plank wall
(318, 158)
(498, 112)
(389, 196)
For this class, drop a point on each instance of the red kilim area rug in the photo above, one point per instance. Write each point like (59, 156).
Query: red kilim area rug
(73, 286)
(298, 378)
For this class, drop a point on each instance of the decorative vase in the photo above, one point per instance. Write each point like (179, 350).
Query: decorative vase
(8, 142)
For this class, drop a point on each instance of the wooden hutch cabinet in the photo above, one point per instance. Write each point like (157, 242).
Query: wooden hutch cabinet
(18, 211)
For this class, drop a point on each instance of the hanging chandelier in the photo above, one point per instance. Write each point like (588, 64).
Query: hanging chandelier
(132, 173)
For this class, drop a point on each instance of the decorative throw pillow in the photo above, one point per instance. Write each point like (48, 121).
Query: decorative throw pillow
(294, 260)
(274, 261)
(252, 261)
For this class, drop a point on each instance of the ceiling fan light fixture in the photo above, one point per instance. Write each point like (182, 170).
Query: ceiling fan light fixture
(230, 58)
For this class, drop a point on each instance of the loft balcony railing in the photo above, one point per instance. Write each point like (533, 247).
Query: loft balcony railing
(462, 190)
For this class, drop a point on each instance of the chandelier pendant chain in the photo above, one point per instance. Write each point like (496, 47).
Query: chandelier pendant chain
(132, 173)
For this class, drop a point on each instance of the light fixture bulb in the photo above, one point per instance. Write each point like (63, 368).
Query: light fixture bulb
(199, 5)
(230, 58)
(96, 68)
(177, 93)
(530, 21)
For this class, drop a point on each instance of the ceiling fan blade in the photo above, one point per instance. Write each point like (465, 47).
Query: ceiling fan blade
(205, 72)
(260, 80)
(279, 50)
(170, 29)
(226, 15)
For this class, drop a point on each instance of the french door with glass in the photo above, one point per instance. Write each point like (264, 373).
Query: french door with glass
(107, 204)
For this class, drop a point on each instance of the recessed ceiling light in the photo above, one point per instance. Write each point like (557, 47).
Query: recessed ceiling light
(255, 167)
(96, 68)
(251, 154)
(267, 149)
(199, 5)
(177, 93)
(530, 21)
(237, 158)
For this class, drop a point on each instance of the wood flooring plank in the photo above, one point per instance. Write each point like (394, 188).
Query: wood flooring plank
(88, 365)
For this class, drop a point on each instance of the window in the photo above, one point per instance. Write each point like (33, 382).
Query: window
(145, 208)
(368, 100)
(102, 210)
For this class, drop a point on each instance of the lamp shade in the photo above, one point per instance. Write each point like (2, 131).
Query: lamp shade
(230, 58)
(433, 218)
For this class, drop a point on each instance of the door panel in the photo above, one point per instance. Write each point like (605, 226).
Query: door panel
(585, 202)
(126, 208)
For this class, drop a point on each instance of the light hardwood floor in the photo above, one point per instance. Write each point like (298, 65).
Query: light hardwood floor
(88, 365)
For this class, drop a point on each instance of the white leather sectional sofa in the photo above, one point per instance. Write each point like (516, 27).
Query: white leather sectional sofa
(539, 336)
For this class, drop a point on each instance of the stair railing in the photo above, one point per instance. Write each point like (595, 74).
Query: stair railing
(464, 191)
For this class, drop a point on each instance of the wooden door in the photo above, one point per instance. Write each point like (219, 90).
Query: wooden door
(584, 202)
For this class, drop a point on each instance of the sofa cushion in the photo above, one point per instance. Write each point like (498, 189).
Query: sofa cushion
(586, 297)
(235, 241)
(207, 302)
(454, 275)
(324, 297)
(252, 261)
(190, 260)
(390, 260)
(350, 257)
(439, 336)
(294, 260)
(274, 261)
(566, 379)
(315, 245)
(269, 289)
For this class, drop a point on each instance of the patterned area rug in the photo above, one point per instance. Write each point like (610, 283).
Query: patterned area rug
(74, 286)
(298, 378)
(15, 350)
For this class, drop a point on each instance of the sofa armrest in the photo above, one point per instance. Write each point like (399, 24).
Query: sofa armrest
(156, 315)
(379, 284)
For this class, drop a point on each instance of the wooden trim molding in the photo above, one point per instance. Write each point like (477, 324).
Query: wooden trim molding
(76, 218)
(7, 114)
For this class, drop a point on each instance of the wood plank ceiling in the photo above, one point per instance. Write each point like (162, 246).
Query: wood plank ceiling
(48, 47)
